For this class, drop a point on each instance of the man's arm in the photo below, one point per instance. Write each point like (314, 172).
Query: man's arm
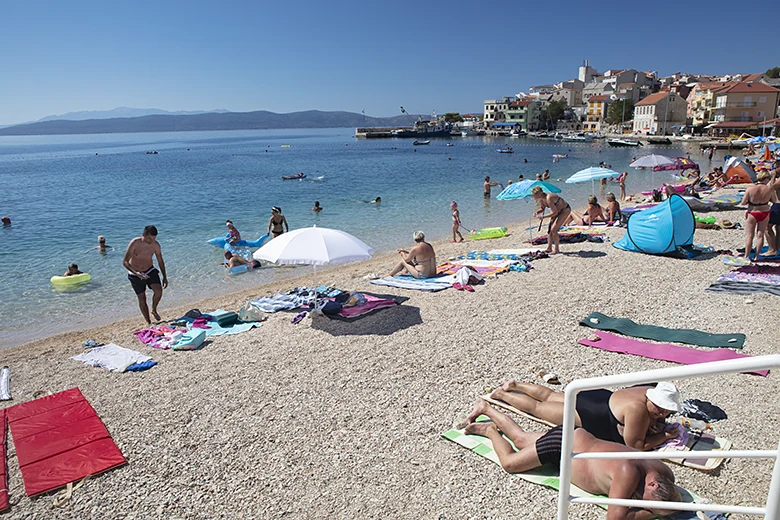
(161, 262)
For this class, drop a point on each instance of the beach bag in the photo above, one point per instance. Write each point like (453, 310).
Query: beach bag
(224, 318)
(190, 340)
(250, 313)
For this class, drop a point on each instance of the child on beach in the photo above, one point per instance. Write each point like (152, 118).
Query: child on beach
(622, 181)
(73, 270)
(455, 222)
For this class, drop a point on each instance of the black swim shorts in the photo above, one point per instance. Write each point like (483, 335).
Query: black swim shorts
(774, 214)
(548, 447)
(140, 285)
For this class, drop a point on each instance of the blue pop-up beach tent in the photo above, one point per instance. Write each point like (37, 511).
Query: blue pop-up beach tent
(660, 229)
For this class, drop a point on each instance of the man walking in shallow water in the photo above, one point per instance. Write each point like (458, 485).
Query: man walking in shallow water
(141, 270)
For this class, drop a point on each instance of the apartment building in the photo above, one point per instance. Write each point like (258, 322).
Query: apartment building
(744, 104)
(659, 112)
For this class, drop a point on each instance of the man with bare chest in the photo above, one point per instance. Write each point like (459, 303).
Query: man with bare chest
(141, 270)
(618, 478)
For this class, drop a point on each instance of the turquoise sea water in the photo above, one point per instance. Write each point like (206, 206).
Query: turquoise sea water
(63, 191)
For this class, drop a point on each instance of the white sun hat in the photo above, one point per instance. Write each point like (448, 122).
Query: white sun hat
(665, 396)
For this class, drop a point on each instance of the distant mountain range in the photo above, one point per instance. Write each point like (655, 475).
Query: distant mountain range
(110, 122)
(126, 112)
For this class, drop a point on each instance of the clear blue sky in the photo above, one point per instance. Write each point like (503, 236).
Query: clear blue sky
(62, 56)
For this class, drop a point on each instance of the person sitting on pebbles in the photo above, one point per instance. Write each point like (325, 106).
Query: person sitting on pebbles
(631, 416)
(619, 478)
(419, 262)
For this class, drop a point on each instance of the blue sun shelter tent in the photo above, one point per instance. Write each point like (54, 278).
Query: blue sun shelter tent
(660, 229)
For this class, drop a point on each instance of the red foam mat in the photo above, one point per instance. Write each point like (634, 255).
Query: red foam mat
(3, 465)
(60, 439)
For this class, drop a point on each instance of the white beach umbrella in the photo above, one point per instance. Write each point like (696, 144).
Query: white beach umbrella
(651, 161)
(314, 246)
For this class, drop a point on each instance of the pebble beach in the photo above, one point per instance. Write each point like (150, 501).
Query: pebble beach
(335, 419)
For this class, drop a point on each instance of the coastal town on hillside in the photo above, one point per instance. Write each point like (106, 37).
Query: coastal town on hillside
(624, 101)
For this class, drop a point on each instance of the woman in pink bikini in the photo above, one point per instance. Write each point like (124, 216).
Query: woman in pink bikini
(757, 199)
(455, 222)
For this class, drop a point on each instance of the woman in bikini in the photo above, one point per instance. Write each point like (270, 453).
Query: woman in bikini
(560, 212)
(278, 223)
(455, 222)
(631, 416)
(593, 214)
(757, 199)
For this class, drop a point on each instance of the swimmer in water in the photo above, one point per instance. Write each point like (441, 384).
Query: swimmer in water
(102, 247)
(317, 208)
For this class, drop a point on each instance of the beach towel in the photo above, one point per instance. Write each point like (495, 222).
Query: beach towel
(483, 267)
(546, 475)
(162, 337)
(5, 384)
(237, 328)
(288, 300)
(111, 356)
(627, 327)
(437, 283)
(751, 277)
(3, 465)
(692, 441)
(372, 303)
(662, 351)
(744, 288)
(60, 439)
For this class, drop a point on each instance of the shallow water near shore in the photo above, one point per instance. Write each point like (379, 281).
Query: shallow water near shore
(63, 191)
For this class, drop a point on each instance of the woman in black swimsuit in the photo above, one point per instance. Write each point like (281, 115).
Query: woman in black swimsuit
(278, 223)
(560, 212)
(631, 416)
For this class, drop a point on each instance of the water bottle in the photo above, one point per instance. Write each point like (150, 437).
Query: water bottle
(694, 424)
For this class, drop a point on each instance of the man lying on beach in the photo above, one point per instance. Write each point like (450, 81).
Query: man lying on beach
(141, 272)
(627, 479)
(632, 416)
(419, 262)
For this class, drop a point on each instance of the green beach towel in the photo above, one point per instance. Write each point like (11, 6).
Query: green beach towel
(627, 327)
(545, 475)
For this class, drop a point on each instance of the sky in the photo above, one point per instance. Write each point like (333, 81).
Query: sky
(372, 55)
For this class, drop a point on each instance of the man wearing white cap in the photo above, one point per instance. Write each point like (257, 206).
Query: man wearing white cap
(631, 416)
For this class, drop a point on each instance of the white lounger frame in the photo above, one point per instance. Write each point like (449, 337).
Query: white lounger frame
(771, 509)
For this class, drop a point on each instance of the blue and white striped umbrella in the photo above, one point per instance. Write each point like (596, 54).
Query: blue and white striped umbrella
(590, 174)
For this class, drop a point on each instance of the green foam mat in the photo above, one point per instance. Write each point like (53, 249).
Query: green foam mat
(627, 327)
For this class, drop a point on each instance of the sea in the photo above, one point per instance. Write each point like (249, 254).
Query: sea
(61, 192)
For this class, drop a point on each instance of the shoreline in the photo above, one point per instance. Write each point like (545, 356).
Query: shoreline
(235, 299)
(330, 418)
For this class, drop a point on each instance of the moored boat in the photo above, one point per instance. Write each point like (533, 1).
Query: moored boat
(623, 142)
(294, 177)
(420, 143)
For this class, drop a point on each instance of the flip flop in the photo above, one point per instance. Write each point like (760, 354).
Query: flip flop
(468, 288)
(299, 317)
(458, 286)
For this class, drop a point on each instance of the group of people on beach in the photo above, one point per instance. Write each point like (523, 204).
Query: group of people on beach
(762, 218)
(631, 419)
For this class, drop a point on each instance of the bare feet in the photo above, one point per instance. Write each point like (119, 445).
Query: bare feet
(480, 428)
(156, 316)
(480, 407)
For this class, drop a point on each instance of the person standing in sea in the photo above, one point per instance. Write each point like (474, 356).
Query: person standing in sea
(142, 273)
(487, 186)
(278, 223)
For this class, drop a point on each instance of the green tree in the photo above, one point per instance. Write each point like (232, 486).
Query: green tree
(555, 110)
(620, 111)
(774, 72)
(453, 117)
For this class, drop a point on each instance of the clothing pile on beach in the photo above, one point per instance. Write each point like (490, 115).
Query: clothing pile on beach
(572, 237)
(333, 302)
(749, 279)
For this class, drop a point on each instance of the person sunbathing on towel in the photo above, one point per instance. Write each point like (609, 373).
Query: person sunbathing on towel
(627, 479)
(594, 213)
(419, 262)
(613, 208)
(631, 416)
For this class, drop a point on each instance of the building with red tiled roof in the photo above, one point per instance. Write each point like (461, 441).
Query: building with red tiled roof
(658, 113)
(745, 102)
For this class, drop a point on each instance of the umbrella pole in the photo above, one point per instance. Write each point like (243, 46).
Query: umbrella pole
(315, 287)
